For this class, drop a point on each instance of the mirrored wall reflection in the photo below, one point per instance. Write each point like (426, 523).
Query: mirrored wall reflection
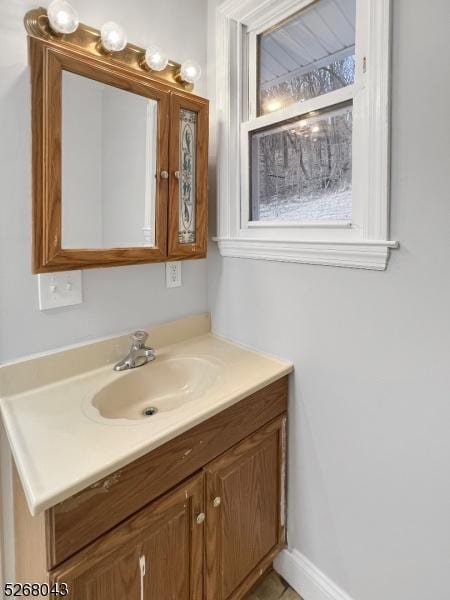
(187, 178)
(109, 161)
(302, 169)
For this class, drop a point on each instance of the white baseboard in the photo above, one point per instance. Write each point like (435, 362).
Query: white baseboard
(306, 579)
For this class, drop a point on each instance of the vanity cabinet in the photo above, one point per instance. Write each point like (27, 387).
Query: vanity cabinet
(140, 534)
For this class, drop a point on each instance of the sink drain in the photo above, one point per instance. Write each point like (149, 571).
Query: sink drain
(150, 411)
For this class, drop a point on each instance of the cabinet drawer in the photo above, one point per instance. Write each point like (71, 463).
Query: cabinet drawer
(78, 521)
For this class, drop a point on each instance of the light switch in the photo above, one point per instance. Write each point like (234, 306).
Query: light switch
(173, 274)
(59, 289)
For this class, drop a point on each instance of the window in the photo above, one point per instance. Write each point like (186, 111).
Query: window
(306, 85)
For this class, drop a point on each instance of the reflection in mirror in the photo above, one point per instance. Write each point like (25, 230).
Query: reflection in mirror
(109, 146)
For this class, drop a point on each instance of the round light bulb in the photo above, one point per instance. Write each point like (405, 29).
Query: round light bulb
(114, 38)
(155, 58)
(62, 16)
(190, 71)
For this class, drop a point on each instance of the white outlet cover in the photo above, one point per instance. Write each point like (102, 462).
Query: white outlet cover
(59, 289)
(173, 274)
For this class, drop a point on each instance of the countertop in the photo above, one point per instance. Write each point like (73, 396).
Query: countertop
(59, 450)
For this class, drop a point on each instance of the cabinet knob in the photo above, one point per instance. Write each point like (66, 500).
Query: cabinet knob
(200, 518)
(164, 175)
(217, 501)
(177, 174)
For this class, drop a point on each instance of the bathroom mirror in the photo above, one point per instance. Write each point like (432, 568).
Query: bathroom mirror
(100, 162)
(119, 159)
(109, 162)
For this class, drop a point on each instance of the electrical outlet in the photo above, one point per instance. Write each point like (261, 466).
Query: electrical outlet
(173, 274)
(59, 289)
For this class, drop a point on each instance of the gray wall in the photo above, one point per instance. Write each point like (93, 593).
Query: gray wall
(369, 487)
(116, 299)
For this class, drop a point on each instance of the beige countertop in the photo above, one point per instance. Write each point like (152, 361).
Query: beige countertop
(59, 449)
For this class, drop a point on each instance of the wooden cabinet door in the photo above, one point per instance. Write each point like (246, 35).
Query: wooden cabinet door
(245, 512)
(155, 555)
(188, 159)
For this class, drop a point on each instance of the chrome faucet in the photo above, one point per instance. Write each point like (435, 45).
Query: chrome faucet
(139, 353)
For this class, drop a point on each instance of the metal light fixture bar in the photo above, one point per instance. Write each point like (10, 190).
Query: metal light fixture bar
(86, 39)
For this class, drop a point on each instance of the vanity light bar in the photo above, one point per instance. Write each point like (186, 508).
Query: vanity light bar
(61, 20)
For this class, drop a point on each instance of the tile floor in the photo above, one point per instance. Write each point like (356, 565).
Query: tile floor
(272, 587)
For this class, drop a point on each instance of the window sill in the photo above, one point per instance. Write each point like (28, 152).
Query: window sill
(369, 254)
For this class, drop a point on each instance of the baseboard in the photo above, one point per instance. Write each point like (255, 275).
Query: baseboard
(306, 579)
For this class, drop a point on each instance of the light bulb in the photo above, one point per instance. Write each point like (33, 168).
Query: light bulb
(114, 38)
(190, 71)
(62, 16)
(155, 58)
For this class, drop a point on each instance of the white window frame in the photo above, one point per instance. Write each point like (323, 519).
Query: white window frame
(364, 241)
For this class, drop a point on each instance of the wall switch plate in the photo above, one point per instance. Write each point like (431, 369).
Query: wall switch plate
(173, 274)
(59, 289)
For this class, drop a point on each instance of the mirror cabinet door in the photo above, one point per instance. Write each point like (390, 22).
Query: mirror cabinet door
(188, 182)
(100, 164)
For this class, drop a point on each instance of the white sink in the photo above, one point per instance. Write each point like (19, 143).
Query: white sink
(161, 386)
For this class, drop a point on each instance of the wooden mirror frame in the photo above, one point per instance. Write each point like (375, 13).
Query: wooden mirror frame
(49, 56)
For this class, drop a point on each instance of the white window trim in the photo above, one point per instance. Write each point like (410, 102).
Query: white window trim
(364, 243)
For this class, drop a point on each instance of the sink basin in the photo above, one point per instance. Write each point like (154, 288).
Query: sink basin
(161, 386)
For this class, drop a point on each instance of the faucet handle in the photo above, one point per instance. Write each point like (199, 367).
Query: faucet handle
(138, 338)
